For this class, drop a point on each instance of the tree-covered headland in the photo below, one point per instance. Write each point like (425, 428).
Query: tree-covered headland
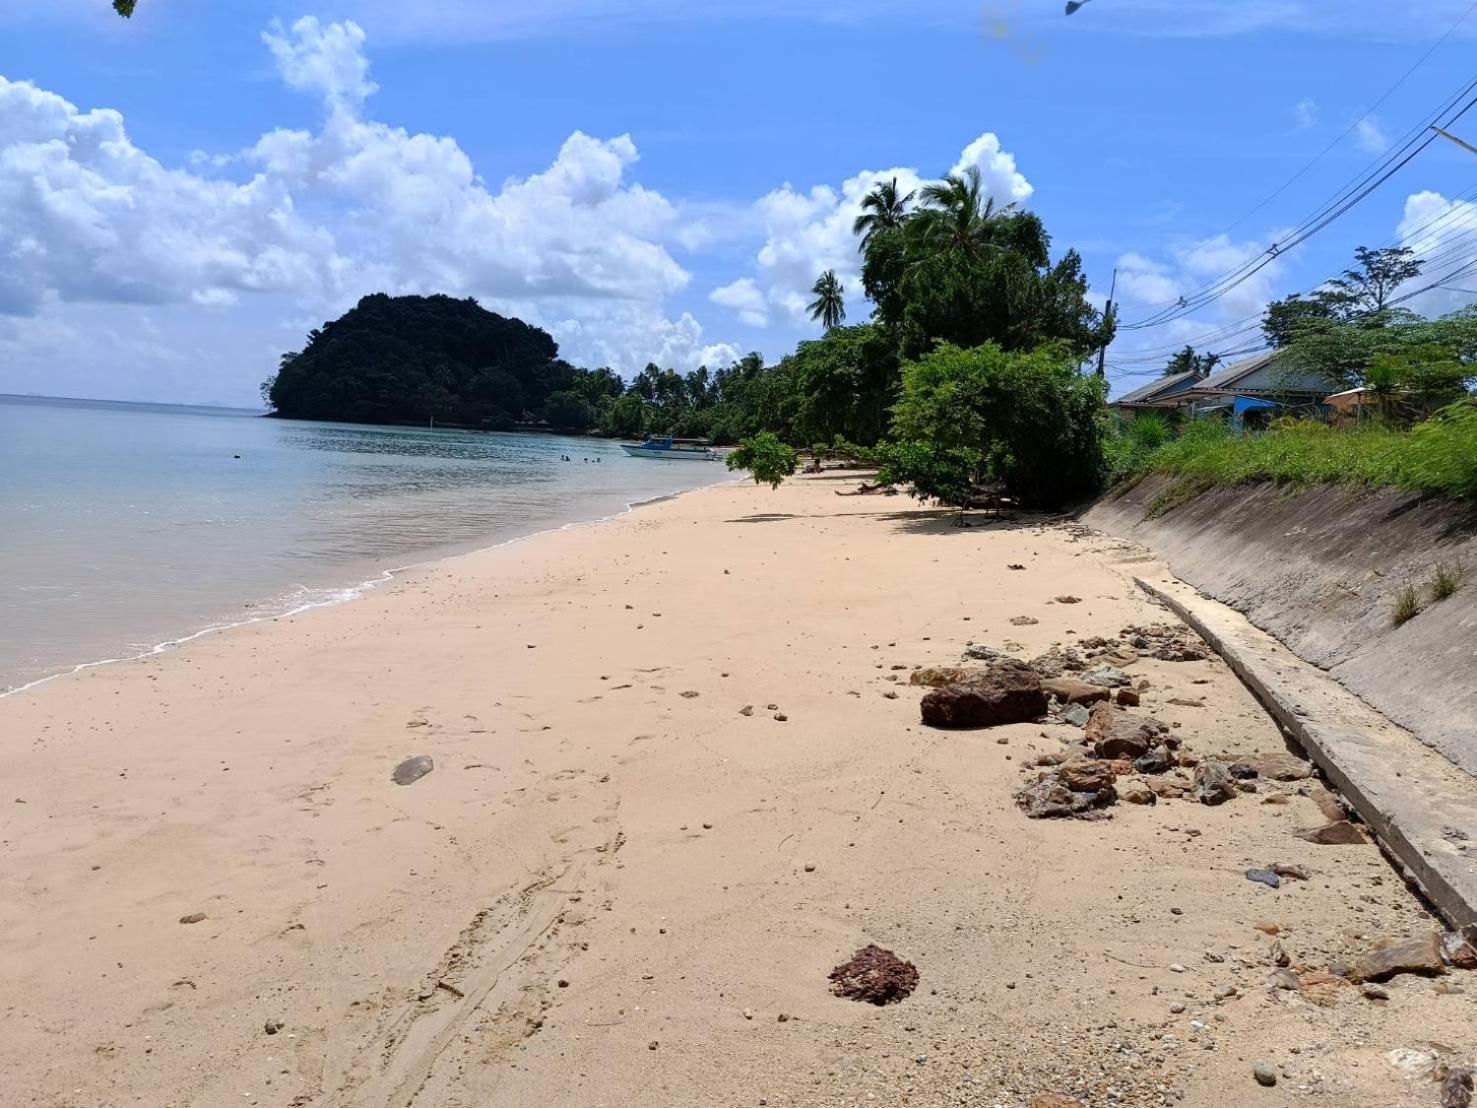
(969, 363)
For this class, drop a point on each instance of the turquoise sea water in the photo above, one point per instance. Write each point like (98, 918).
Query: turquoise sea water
(124, 526)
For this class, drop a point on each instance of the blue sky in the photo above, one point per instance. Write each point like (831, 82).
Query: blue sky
(184, 194)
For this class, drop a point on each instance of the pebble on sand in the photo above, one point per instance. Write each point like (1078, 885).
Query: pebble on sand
(1265, 1073)
(412, 770)
(193, 917)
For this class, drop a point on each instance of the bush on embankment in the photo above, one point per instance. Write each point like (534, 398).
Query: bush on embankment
(1439, 455)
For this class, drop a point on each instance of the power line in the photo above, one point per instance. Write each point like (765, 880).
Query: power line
(1413, 142)
(1323, 219)
(1353, 126)
(1455, 240)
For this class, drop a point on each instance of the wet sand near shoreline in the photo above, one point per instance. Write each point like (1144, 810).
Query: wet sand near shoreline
(617, 887)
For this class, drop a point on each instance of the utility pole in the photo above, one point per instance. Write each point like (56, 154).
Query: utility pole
(1463, 143)
(1102, 354)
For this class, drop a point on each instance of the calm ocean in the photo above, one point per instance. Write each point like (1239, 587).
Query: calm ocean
(124, 526)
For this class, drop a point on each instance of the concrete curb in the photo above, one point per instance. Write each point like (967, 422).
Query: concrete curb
(1411, 797)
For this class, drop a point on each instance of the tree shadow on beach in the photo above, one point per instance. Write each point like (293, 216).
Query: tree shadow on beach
(764, 517)
(945, 521)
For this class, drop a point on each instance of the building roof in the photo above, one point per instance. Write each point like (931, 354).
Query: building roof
(1241, 378)
(1228, 377)
(1146, 393)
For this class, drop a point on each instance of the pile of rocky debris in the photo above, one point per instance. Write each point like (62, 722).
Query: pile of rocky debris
(1130, 756)
(1163, 641)
(1121, 754)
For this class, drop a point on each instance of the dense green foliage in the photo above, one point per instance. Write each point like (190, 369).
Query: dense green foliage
(1187, 360)
(1364, 289)
(416, 358)
(966, 374)
(1391, 349)
(934, 471)
(1026, 420)
(1437, 455)
(959, 270)
(769, 460)
(1131, 443)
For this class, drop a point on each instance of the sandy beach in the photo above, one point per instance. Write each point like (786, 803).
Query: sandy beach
(679, 775)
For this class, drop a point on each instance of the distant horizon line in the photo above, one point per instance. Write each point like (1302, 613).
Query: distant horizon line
(213, 405)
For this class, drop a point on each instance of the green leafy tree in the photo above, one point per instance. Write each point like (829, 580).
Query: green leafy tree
(569, 411)
(412, 358)
(1345, 352)
(959, 269)
(933, 471)
(766, 458)
(124, 7)
(1035, 422)
(1362, 291)
(829, 305)
(1187, 360)
(957, 216)
(885, 208)
(1368, 286)
(1412, 383)
(846, 382)
(1285, 319)
(626, 417)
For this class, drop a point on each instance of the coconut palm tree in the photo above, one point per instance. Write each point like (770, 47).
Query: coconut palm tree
(957, 215)
(829, 306)
(882, 210)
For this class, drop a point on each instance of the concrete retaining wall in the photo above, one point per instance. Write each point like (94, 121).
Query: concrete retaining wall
(1319, 569)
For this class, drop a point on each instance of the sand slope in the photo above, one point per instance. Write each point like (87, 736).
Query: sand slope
(602, 860)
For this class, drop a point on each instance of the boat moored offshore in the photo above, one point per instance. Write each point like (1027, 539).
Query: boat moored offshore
(665, 448)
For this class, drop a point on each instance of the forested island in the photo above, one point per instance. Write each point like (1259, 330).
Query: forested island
(972, 375)
(945, 267)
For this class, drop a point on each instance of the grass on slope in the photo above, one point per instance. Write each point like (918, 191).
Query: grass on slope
(1439, 455)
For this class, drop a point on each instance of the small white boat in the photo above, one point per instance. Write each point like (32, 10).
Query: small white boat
(664, 448)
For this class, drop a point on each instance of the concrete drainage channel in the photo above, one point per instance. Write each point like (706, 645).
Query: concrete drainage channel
(1419, 806)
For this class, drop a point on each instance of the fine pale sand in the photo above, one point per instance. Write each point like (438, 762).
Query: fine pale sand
(618, 889)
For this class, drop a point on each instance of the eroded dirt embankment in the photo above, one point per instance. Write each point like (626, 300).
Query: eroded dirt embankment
(1321, 568)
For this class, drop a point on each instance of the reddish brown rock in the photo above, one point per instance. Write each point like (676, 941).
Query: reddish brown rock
(937, 677)
(1128, 698)
(1115, 733)
(1329, 805)
(1457, 951)
(1071, 691)
(1421, 954)
(1137, 791)
(1323, 988)
(1281, 767)
(874, 975)
(1009, 692)
(1167, 788)
(1086, 776)
(1339, 833)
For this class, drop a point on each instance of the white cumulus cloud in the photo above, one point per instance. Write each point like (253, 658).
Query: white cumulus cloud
(806, 233)
(744, 297)
(86, 217)
(1371, 136)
